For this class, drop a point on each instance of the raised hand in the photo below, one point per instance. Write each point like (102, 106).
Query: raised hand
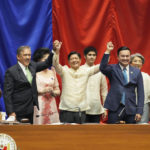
(110, 46)
(56, 46)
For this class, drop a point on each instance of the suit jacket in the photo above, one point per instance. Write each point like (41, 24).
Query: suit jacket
(19, 94)
(117, 86)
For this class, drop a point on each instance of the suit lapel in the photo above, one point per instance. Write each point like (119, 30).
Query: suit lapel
(131, 73)
(21, 74)
(32, 70)
(119, 74)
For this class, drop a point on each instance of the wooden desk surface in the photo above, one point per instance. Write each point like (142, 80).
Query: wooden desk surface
(79, 137)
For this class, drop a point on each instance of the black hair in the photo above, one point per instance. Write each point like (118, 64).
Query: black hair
(122, 48)
(89, 49)
(39, 53)
(72, 53)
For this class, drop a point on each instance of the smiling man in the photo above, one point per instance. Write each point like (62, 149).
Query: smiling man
(73, 103)
(20, 92)
(124, 79)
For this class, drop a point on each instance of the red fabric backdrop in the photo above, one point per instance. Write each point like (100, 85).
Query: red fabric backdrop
(80, 23)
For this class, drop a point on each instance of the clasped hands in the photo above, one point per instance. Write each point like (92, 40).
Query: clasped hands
(50, 90)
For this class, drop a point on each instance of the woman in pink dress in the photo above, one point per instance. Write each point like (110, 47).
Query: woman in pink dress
(48, 89)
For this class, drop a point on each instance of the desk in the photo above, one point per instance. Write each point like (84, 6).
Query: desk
(79, 137)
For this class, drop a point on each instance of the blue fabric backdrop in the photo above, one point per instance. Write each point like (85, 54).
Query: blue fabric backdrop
(23, 22)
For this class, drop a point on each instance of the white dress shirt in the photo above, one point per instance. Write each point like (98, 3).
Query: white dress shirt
(96, 89)
(74, 83)
(23, 68)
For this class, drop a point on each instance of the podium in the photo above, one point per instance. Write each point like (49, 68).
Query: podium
(79, 137)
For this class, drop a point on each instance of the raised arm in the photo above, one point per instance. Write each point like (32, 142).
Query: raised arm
(56, 51)
(104, 67)
(45, 64)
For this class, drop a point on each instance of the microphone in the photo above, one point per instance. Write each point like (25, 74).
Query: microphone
(80, 113)
(42, 115)
(80, 116)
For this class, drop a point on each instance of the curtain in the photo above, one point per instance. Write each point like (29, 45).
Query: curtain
(77, 23)
(81, 23)
(23, 22)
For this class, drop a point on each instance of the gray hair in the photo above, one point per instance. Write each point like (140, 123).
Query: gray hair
(21, 48)
(137, 55)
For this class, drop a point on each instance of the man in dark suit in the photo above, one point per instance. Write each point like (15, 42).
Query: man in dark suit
(20, 91)
(126, 84)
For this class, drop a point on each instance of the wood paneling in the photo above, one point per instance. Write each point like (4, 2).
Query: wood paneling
(79, 137)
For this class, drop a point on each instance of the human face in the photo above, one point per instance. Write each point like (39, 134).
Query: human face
(124, 57)
(90, 58)
(137, 62)
(24, 57)
(74, 61)
(44, 57)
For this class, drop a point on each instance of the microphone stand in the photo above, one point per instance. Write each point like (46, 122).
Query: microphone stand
(80, 116)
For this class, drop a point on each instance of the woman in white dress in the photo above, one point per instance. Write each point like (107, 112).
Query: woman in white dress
(48, 89)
